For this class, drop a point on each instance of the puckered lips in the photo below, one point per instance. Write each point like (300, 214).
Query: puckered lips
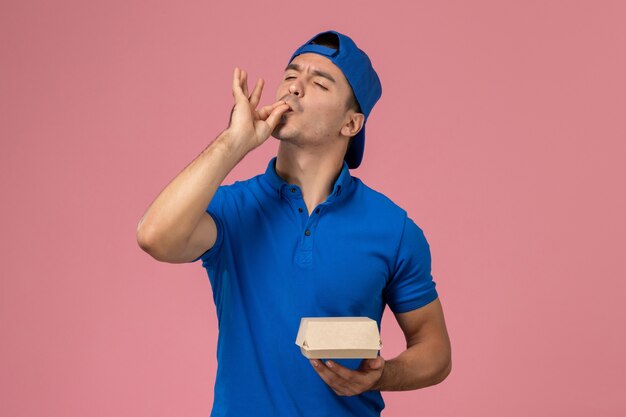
(292, 107)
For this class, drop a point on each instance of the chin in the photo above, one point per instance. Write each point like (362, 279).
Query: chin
(281, 132)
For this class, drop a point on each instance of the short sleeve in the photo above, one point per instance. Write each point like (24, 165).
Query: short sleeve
(216, 210)
(411, 285)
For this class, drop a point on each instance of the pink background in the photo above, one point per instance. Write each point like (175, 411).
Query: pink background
(501, 130)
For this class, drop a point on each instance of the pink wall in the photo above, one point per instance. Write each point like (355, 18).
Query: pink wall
(501, 131)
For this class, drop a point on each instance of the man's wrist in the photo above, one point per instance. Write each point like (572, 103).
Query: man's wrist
(230, 146)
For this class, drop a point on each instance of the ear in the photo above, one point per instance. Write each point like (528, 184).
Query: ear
(353, 125)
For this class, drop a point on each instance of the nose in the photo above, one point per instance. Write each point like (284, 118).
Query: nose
(295, 89)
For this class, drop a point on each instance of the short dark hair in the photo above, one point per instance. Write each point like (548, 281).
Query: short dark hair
(330, 40)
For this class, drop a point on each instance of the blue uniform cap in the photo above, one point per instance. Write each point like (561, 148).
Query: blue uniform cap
(357, 68)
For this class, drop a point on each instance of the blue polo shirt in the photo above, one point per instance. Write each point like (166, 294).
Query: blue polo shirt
(273, 263)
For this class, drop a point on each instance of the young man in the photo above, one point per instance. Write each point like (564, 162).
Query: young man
(304, 239)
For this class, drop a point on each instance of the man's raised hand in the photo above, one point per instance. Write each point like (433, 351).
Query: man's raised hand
(251, 127)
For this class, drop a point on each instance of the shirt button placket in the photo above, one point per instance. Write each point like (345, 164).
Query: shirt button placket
(306, 248)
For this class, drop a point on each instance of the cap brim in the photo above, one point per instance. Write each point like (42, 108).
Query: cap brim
(354, 154)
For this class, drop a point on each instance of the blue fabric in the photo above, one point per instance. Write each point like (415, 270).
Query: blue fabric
(266, 272)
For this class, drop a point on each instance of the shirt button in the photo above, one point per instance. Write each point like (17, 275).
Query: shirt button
(293, 190)
(317, 210)
(300, 209)
(307, 232)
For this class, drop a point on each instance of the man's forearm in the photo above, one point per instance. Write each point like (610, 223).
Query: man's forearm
(173, 215)
(421, 365)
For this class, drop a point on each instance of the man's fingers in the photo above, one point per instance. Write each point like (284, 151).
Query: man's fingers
(342, 371)
(336, 382)
(265, 111)
(345, 381)
(240, 88)
(255, 97)
(244, 82)
(275, 115)
(237, 91)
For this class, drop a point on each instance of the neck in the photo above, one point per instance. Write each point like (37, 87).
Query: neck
(314, 172)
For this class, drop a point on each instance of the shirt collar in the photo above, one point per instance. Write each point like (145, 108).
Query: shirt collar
(282, 188)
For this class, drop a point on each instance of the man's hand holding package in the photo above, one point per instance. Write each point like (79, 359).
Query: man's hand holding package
(347, 382)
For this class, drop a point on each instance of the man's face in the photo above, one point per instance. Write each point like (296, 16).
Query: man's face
(317, 92)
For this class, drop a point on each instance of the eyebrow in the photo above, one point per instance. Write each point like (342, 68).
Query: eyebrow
(297, 67)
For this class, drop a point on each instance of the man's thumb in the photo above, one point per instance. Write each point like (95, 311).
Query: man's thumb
(374, 363)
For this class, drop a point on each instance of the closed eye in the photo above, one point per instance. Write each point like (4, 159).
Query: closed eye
(290, 77)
